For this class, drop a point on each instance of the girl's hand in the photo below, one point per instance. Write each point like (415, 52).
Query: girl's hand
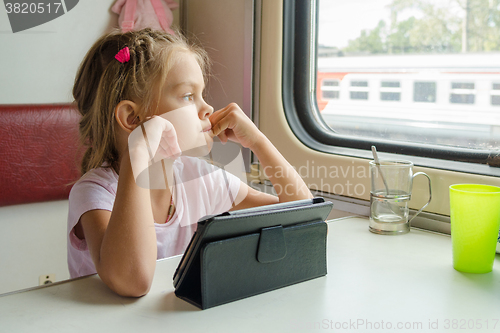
(162, 138)
(231, 123)
(157, 137)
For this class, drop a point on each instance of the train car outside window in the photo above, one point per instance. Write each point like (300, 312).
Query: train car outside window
(422, 74)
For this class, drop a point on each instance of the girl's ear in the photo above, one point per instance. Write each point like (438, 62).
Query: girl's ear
(126, 115)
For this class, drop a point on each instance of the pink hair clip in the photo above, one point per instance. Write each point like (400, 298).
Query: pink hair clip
(123, 55)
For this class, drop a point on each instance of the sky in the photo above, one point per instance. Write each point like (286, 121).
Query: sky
(337, 15)
(343, 20)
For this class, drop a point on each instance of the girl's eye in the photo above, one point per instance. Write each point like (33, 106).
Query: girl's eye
(188, 97)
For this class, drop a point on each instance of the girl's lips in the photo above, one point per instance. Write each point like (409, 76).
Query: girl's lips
(208, 130)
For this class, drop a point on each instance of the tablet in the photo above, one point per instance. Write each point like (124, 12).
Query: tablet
(246, 221)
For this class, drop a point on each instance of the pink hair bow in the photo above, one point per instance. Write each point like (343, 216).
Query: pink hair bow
(123, 55)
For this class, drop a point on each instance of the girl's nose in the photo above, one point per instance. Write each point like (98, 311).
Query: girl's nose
(206, 110)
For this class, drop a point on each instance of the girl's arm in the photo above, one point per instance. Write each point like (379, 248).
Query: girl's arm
(122, 243)
(232, 124)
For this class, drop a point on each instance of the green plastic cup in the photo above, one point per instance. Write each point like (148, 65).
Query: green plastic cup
(475, 220)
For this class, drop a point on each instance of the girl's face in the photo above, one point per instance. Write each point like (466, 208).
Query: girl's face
(181, 102)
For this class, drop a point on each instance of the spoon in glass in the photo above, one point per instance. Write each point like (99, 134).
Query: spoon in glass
(394, 209)
(377, 163)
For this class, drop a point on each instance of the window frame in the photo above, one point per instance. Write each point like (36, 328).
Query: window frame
(300, 25)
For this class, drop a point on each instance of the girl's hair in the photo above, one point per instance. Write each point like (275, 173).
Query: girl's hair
(102, 82)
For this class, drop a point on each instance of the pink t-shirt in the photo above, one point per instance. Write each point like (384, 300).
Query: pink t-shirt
(201, 189)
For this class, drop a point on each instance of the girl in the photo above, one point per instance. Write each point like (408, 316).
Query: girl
(118, 228)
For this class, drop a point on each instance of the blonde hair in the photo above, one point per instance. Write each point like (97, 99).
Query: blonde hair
(102, 82)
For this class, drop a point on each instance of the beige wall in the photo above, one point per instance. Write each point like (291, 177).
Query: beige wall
(224, 28)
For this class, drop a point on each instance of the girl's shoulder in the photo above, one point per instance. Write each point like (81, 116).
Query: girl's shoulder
(103, 177)
(96, 189)
(106, 174)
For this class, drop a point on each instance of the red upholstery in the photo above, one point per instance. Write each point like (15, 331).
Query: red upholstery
(38, 152)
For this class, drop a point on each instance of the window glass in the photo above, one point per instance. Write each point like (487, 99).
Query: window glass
(424, 71)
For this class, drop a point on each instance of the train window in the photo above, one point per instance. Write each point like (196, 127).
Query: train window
(495, 94)
(359, 90)
(424, 92)
(359, 84)
(330, 94)
(390, 91)
(330, 89)
(446, 81)
(331, 83)
(462, 93)
(462, 85)
(390, 84)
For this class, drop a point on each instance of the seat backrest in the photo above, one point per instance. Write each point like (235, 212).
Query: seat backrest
(39, 152)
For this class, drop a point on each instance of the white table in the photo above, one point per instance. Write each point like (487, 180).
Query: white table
(374, 282)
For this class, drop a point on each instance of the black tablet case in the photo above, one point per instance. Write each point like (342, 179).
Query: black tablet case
(247, 252)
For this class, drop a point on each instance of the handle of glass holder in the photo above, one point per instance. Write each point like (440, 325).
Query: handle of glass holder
(430, 193)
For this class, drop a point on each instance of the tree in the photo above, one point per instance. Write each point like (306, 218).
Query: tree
(483, 25)
(399, 40)
(369, 42)
(458, 25)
